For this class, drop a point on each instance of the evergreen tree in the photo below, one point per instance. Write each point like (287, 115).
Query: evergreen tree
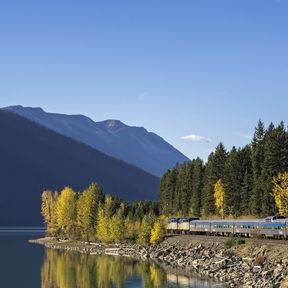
(195, 184)
(232, 180)
(247, 180)
(245, 195)
(182, 197)
(275, 157)
(164, 194)
(213, 172)
(257, 162)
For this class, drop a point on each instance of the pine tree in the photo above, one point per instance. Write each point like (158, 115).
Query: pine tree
(275, 153)
(257, 162)
(196, 185)
(164, 194)
(232, 181)
(214, 170)
(182, 197)
(246, 191)
(246, 179)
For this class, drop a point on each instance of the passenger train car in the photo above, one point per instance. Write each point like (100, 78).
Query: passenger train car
(246, 228)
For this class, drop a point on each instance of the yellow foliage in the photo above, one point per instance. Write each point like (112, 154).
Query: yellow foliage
(66, 211)
(87, 213)
(48, 208)
(157, 232)
(219, 197)
(280, 192)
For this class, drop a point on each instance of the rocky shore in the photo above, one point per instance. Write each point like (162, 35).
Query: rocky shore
(253, 264)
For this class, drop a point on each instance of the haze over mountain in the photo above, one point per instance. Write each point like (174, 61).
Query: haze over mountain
(134, 145)
(34, 158)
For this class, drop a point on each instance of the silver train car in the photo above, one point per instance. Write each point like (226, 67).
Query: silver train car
(245, 228)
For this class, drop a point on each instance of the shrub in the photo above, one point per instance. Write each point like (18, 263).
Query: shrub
(233, 241)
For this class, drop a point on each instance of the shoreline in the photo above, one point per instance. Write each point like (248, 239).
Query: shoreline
(253, 264)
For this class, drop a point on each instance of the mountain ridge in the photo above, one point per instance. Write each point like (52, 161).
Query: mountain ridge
(35, 158)
(134, 145)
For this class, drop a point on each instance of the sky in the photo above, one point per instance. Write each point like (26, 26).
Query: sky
(196, 72)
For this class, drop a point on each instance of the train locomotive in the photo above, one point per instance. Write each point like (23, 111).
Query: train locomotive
(266, 228)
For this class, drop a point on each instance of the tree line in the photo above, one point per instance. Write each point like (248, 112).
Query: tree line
(238, 182)
(90, 215)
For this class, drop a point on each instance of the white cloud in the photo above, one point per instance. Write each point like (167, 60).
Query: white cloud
(195, 138)
(142, 96)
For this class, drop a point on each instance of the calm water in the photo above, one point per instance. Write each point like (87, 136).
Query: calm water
(32, 266)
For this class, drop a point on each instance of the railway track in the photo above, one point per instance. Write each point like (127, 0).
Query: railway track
(218, 238)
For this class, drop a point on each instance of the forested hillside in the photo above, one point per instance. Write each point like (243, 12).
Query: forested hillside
(244, 178)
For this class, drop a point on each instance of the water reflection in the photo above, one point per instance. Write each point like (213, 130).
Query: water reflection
(67, 269)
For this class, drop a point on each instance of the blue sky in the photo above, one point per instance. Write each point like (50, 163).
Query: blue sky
(178, 68)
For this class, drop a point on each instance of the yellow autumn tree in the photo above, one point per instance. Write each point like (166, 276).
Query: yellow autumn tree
(118, 224)
(219, 197)
(87, 209)
(48, 211)
(280, 192)
(66, 212)
(157, 232)
(104, 218)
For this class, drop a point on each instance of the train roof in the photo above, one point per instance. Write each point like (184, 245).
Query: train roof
(248, 222)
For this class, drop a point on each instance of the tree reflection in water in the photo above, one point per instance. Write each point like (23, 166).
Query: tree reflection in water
(74, 270)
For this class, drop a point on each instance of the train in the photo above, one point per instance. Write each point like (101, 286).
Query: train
(270, 227)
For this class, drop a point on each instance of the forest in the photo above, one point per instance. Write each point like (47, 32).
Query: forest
(92, 216)
(251, 180)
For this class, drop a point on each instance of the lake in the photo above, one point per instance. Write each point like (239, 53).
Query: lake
(32, 266)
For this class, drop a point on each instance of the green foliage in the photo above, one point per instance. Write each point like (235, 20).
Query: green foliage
(144, 236)
(233, 241)
(213, 172)
(118, 228)
(91, 216)
(246, 173)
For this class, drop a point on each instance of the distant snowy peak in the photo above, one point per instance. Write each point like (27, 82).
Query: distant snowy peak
(112, 125)
(134, 145)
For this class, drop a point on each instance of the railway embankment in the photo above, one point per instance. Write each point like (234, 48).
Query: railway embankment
(255, 263)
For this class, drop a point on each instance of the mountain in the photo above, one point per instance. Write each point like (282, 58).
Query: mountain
(134, 145)
(34, 158)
